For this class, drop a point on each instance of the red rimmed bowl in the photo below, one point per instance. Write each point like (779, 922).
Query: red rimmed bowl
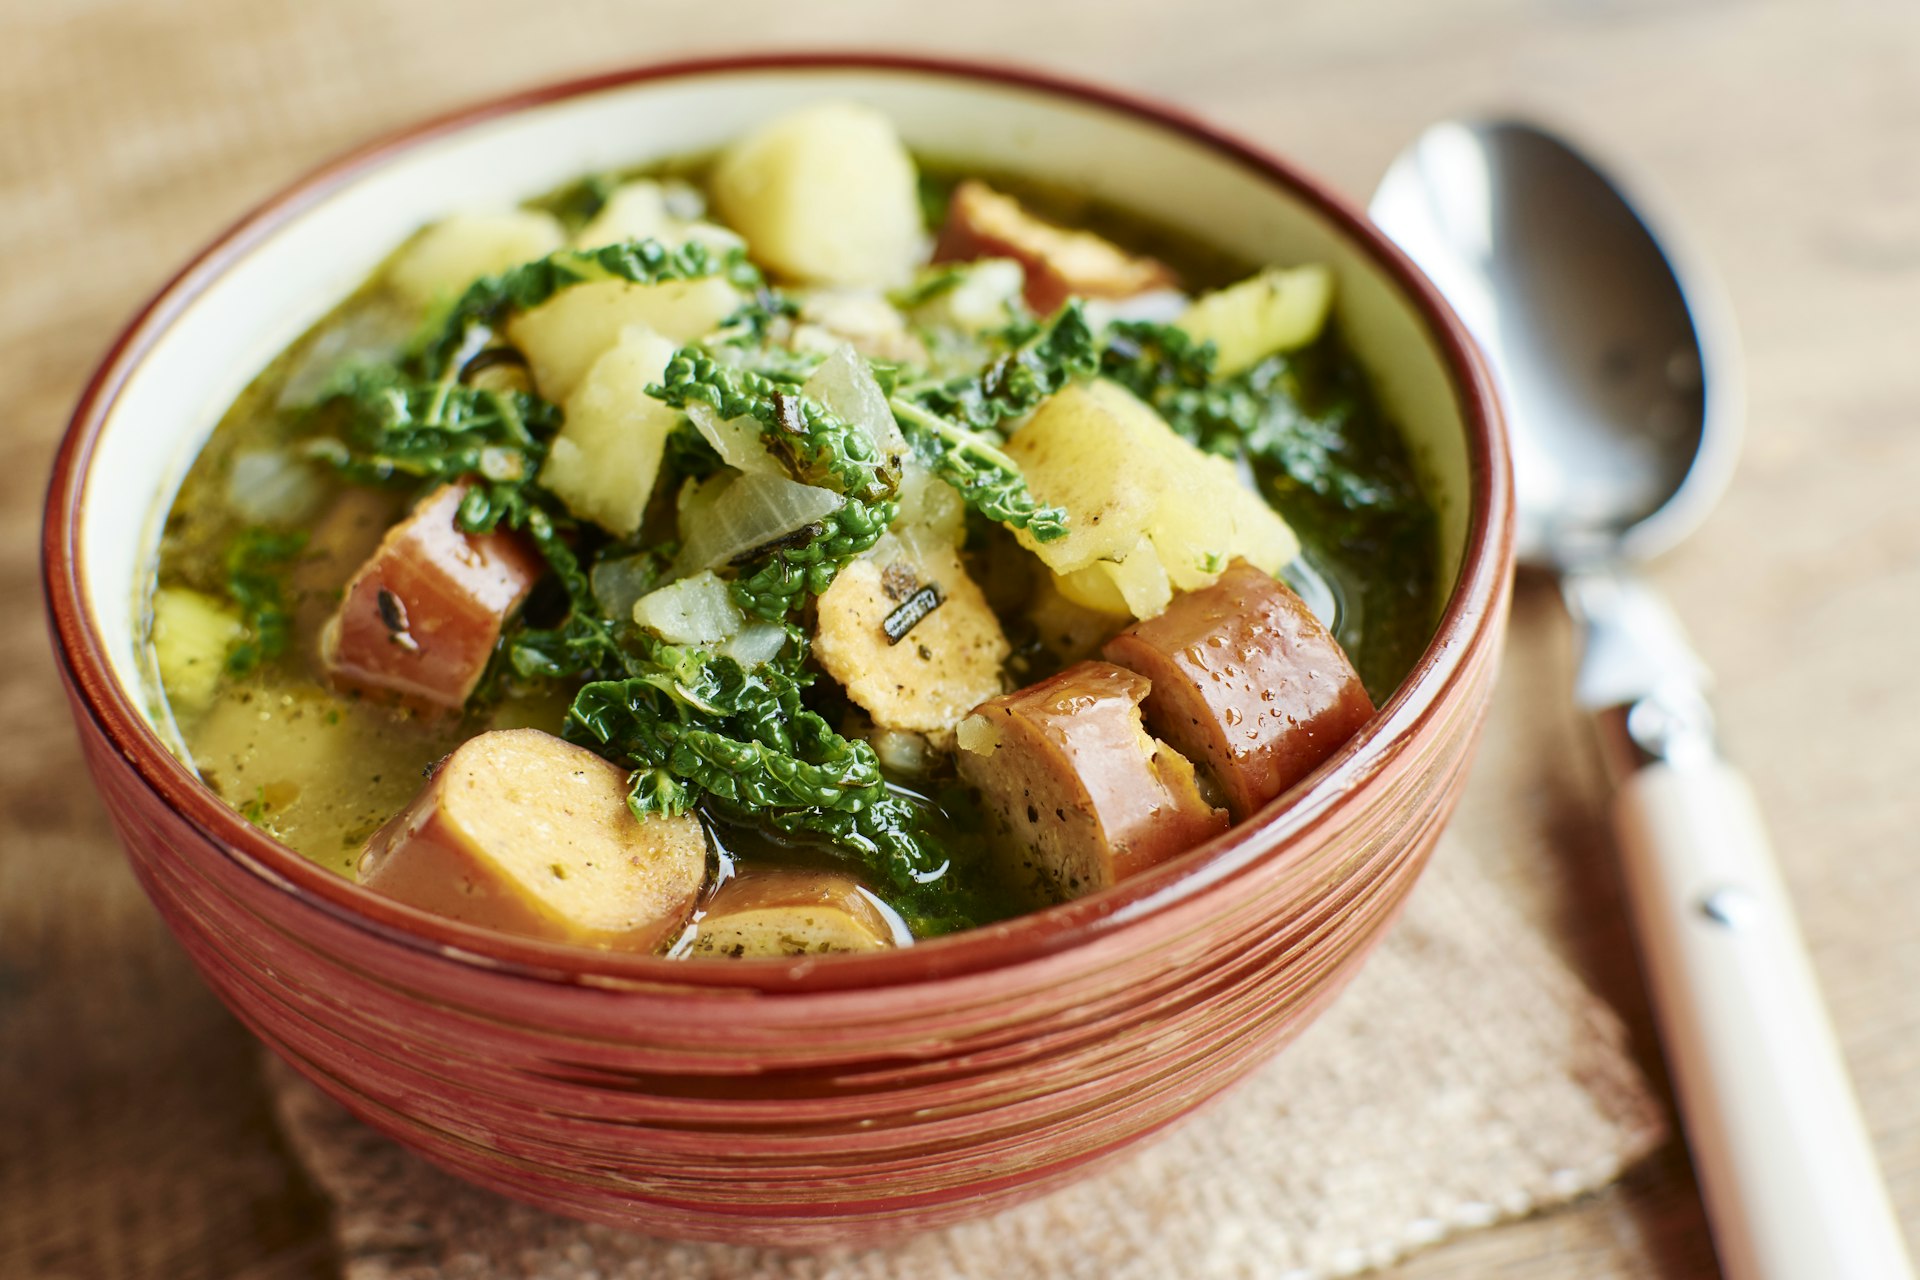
(808, 1102)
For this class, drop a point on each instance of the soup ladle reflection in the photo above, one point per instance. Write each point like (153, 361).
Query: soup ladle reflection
(1618, 377)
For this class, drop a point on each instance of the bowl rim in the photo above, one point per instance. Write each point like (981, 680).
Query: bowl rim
(1470, 610)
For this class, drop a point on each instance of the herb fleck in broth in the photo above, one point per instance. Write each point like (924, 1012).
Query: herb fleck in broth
(322, 770)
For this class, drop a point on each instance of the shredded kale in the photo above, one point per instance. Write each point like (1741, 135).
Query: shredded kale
(781, 581)
(696, 727)
(952, 424)
(688, 455)
(1040, 359)
(818, 445)
(256, 562)
(393, 424)
(580, 202)
(821, 449)
(986, 479)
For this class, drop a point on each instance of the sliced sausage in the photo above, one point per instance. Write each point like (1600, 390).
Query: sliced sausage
(1246, 682)
(1074, 788)
(1059, 263)
(521, 832)
(791, 913)
(420, 619)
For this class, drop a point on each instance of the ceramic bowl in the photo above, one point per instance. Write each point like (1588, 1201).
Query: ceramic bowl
(812, 1101)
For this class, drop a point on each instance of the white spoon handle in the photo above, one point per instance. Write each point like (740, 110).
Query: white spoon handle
(1784, 1161)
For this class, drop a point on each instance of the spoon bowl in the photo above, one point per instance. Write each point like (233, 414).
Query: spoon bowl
(1617, 369)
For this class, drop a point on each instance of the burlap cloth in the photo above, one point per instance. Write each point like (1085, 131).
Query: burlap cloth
(1465, 1078)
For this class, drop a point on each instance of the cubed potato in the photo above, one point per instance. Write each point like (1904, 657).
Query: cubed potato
(1123, 475)
(1280, 309)
(824, 195)
(1211, 517)
(437, 265)
(563, 336)
(1059, 263)
(646, 210)
(522, 832)
(1075, 790)
(1247, 682)
(1102, 455)
(633, 211)
(605, 460)
(419, 621)
(192, 633)
(921, 677)
(766, 914)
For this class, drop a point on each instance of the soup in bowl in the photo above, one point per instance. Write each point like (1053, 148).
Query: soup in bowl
(784, 650)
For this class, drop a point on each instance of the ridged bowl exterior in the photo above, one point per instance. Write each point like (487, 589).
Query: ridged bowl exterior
(813, 1102)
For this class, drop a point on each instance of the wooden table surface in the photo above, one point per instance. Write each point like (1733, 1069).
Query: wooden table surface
(135, 1138)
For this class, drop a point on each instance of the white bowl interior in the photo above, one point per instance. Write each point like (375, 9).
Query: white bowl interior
(288, 279)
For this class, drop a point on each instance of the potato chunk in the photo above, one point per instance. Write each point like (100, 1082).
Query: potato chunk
(1280, 309)
(563, 336)
(824, 195)
(418, 622)
(1059, 263)
(1075, 790)
(438, 264)
(521, 832)
(923, 678)
(647, 210)
(1247, 682)
(192, 633)
(1124, 477)
(791, 913)
(607, 456)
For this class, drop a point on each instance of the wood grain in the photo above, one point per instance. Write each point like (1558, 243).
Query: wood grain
(134, 1138)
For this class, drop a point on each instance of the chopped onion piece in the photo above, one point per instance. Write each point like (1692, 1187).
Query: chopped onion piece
(696, 610)
(272, 486)
(737, 440)
(697, 497)
(755, 643)
(845, 386)
(749, 513)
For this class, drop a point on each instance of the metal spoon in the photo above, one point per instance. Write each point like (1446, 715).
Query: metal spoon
(1619, 381)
